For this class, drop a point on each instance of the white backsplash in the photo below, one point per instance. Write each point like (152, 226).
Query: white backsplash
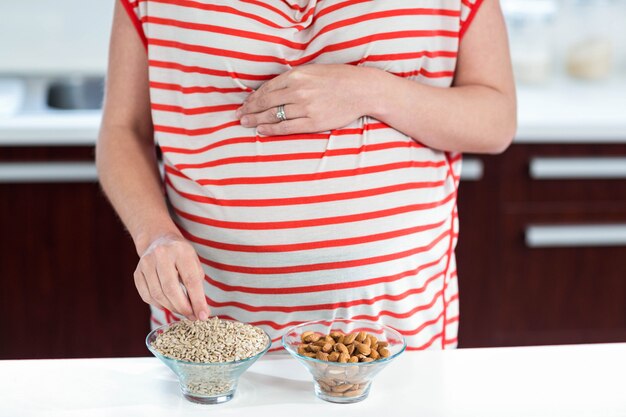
(54, 37)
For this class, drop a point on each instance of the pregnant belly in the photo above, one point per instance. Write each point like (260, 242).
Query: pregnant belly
(362, 191)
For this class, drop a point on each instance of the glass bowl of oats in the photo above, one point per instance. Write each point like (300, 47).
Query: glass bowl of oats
(208, 356)
(343, 355)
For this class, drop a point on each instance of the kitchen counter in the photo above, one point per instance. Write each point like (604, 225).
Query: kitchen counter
(554, 381)
(572, 112)
(561, 112)
(55, 128)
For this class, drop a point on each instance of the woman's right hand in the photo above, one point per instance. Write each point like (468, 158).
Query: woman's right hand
(166, 263)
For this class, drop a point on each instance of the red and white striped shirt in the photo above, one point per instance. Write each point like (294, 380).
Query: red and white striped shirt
(356, 222)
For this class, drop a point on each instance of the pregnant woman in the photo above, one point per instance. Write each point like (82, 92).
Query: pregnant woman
(311, 154)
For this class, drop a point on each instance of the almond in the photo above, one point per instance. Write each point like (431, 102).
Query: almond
(312, 338)
(353, 392)
(368, 342)
(363, 349)
(342, 388)
(315, 348)
(324, 386)
(349, 338)
(341, 348)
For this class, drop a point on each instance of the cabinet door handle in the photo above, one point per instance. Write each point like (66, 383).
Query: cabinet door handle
(589, 235)
(472, 169)
(50, 172)
(47, 172)
(578, 168)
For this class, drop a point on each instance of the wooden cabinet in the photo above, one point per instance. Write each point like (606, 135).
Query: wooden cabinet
(66, 264)
(552, 247)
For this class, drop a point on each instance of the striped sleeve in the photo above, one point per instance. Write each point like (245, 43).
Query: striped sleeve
(468, 11)
(133, 12)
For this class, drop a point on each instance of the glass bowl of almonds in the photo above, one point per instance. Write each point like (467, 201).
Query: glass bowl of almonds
(208, 356)
(343, 355)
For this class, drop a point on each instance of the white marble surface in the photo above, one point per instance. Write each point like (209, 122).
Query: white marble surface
(561, 112)
(550, 381)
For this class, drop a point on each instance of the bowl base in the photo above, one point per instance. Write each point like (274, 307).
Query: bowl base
(210, 400)
(341, 399)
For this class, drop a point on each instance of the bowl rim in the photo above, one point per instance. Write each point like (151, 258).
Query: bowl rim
(240, 361)
(366, 322)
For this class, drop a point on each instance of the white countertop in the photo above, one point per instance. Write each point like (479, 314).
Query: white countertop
(561, 112)
(551, 381)
(58, 128)
(572, 112)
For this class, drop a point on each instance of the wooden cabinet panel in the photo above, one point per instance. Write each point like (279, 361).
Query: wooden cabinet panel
(66, 274)
(512, 294)
(478, 206)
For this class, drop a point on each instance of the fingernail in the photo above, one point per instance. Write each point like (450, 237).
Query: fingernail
(203, 315)
(245, 120)
(238, 112)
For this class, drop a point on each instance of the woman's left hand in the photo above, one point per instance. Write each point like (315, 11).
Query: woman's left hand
(317, 97)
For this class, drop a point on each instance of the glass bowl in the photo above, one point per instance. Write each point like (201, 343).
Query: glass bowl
(343, 382)
(205, 383)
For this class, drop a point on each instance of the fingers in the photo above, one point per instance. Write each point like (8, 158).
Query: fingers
(170, 285)
(192, 276)
(292, 111)
(148, 268)
(300, 125)
(142, 288)
(169, 275)
(262, 102)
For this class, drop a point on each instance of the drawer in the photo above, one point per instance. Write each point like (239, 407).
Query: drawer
(564, 173)
(562, 277)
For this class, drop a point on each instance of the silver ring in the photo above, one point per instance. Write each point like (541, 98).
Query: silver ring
(280, 114)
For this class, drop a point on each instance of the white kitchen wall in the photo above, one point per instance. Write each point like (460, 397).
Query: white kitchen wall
(57, 37)
(54, 36)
